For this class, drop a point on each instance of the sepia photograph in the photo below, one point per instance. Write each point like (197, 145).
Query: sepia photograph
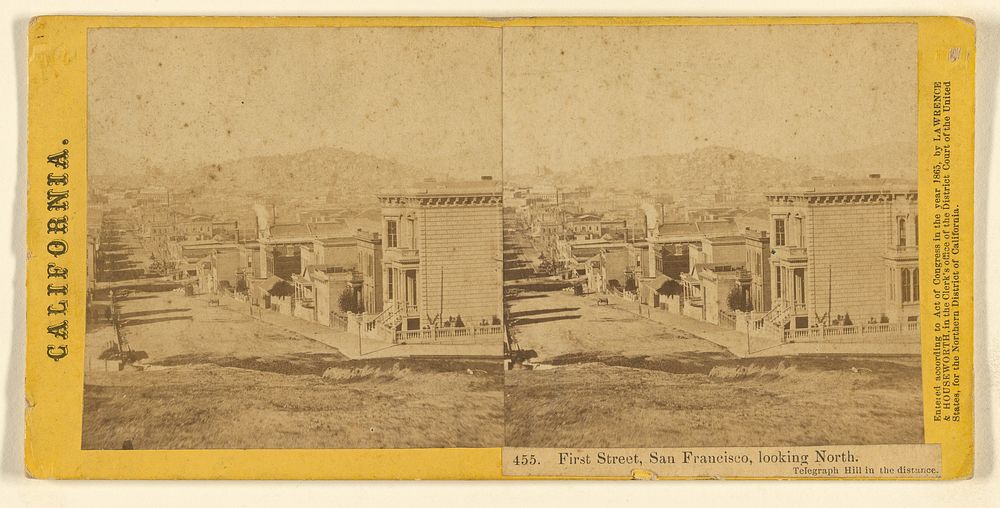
(590, 236)
(710, 236)
(294, 238)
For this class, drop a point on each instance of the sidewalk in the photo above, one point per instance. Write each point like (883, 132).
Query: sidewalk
(736, 341)
(840, 348)
(351, 344)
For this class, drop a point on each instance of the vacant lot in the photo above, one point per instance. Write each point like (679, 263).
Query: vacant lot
(609, 380)
(215, 378)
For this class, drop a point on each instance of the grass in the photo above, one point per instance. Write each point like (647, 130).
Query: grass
(219, 379)
(612, 379)
(663, 402)
(351, 404)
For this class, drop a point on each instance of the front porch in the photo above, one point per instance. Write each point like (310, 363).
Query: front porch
(872, 332)
(451, 335)
(398, 325)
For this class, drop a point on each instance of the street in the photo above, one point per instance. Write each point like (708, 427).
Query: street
(215, 378)
(604, 377)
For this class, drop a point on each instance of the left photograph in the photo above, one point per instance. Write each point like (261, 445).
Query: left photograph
(294, 238)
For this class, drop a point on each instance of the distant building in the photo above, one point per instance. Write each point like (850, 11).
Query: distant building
(675, 247)
(333, 244)
(225, 270)
(281, 249)
(194, 250)
(320, 216)
(318, 290)
(844, 248)
(718, 281)
(584, 226)
(226, 229)
(286, 248)
(669, 259)
(610, 270)
(250, 266)
(370, 267)
(758, 264)
(196, 227)
(151, 197)
(716, 270)
(718, 249)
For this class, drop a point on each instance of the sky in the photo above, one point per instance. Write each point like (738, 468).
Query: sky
(577, 95)
(178, 98)
(468, 101)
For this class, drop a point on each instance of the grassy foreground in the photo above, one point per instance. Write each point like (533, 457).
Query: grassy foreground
(709, 400)
(296, 402)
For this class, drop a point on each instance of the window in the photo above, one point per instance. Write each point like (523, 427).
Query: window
(901, 231)
(904, 291)
(799, 280)
(916, 230)
(892, 285)
(388, 283)
(916, 284)
(801, 231)
(779, 232)
(391, 234)
(413, 233)
(777, 282)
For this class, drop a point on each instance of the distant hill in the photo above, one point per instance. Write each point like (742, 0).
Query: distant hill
(312, 174)
(891, 160)
(714, 165)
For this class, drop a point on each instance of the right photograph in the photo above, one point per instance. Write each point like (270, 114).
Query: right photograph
(710, 236)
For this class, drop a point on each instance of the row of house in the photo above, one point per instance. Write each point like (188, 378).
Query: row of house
(831, 253)
(429, 270)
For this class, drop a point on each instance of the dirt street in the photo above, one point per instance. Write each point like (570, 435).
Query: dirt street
(243, 383)
(608, 378)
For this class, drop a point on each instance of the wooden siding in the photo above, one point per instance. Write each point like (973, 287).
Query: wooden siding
(460, 252)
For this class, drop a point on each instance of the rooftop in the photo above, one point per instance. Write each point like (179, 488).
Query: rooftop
(290, 231)
(721, 228)
(324, 230)
(327, 268)
(207, 243)
(728, 239)
(447, 188)
(677, 229)
(696, 230)
(874, 183)
(718, 268)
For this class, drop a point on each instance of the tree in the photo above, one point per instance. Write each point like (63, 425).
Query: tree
(282, 289)
(737, 300)
(349, 302)
(241, 285)
(630, 285)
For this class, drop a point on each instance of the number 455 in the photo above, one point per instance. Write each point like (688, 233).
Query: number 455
(525, 460)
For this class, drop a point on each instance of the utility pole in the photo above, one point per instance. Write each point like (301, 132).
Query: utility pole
(748, 337)
(829, 291)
